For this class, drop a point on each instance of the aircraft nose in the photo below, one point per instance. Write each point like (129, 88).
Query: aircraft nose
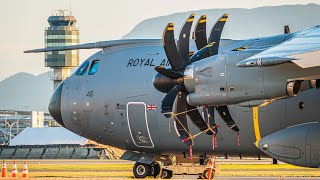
(55, 105)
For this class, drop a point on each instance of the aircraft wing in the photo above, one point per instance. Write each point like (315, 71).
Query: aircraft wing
(302, 49)
(105, 45)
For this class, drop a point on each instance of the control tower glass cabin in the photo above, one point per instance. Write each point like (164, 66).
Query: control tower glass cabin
(62, 32)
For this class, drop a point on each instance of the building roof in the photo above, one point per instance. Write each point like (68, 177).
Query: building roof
(47, 136)
(21, 118)
(15, 117)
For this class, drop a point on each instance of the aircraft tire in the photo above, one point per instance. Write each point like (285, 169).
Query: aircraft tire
(205, 173)
(141, 170)
(166, 174)
(155, 170)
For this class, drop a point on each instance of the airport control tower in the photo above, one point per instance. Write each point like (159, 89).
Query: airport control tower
(62, 32)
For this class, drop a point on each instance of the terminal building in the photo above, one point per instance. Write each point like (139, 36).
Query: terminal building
(61, 32)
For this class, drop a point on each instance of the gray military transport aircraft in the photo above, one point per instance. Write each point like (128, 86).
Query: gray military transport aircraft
(157, 98)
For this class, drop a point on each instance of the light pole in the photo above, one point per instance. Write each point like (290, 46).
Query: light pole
(17, 125)
(10, 129)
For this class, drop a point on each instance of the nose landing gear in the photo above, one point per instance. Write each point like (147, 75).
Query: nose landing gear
(141, 170)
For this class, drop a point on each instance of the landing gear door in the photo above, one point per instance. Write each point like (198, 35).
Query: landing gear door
(138, 124)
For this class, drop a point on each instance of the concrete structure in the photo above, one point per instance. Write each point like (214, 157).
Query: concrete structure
(62, 32)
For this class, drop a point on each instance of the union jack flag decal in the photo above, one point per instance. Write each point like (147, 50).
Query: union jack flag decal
(152, 107)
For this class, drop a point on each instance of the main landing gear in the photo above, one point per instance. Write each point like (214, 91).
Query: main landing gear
(166, 174)
(141, 170)
(166, 168)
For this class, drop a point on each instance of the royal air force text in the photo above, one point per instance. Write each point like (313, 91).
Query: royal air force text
(147, 62)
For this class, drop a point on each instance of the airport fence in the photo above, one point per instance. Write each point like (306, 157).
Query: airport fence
(61, 151)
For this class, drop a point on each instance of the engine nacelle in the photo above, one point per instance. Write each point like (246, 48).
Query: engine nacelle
(215, 82)
(315, 83)
(298, 145)
(209, 86)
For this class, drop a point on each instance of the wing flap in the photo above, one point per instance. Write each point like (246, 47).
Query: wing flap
(307, 60)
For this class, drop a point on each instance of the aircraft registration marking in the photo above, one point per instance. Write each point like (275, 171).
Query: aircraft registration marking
(255, 115)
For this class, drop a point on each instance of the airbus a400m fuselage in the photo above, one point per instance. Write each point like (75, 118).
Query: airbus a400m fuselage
(117, 98)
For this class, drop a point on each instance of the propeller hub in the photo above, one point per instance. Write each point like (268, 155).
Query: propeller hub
(163, 83)
(189, 81)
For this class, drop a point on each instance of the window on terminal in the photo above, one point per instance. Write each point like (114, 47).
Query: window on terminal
(83, 68)
(94, 67)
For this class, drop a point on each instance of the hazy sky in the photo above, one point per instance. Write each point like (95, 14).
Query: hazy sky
(23, 23)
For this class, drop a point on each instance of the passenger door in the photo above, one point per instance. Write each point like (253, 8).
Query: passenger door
(138, 124)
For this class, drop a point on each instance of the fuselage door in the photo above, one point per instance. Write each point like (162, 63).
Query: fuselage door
(138, 124)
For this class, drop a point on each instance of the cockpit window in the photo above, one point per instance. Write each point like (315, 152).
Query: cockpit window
(83, 68)
(94, 67)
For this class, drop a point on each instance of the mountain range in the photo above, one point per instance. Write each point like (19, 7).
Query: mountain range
(24, 91)
(241, 24)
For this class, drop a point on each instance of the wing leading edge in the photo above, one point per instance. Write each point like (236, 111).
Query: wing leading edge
(100, 45)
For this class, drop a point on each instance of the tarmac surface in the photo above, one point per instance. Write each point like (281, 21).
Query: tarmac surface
(249, 178)
(123, 174)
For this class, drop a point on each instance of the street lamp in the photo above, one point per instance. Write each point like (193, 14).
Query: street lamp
(10, 129)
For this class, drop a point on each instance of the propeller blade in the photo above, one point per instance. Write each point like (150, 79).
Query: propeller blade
(170, 48)
(225, 115)
(184, 39)
(180, 118)
(203, 53)
(197, 119)
(215, 34)
(167, 72)
(168, 101)
(200, 32)
(286, 29)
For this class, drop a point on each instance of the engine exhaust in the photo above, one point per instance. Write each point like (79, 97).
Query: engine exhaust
(293, 88)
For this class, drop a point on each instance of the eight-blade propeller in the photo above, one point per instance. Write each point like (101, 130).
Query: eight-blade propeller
(171, 81)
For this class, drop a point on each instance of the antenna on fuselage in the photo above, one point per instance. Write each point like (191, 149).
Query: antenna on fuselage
(286, 29)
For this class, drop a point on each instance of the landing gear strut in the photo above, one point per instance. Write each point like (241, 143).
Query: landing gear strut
(274, 161)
